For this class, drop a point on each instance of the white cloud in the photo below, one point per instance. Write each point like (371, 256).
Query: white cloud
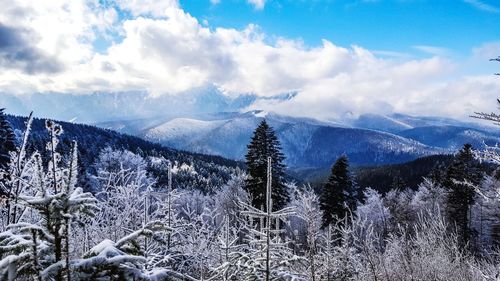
(164, 50)
(487, 51)
(156, 8)
(258, 4)
(58, 27)
(481, 5)
(434, 50)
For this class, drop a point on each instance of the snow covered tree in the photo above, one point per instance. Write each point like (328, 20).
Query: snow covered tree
(485, 219)
(123, 259)
(494, 117)
(41, 248)
(432, 252)
(398, 202)
(339, 194)
(228, 197)
(339, 259)
(7, 140)
(429, 199)
(199, 244)
(461, 175)
(265, 144)
(124, 185)
(306, 205)
(269, 257)
(17, 176)
(491, 155)
(374, 211)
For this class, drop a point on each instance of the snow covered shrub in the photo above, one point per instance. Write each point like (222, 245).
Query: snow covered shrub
(429, 199)
(124, 185)
(374, 211)
(306, 225)
(42, 249)
(120, 260)
(485, 216)
(429, 252)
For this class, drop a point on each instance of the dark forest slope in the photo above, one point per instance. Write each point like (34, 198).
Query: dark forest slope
(211, 170)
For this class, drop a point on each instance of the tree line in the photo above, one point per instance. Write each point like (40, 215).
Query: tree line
(140, 225)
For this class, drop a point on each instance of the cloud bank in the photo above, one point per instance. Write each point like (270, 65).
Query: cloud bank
(157, 47)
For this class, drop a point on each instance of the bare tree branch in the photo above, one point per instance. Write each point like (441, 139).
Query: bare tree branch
(494, 117)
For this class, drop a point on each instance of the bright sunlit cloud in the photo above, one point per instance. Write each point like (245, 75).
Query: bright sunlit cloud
(48, 46)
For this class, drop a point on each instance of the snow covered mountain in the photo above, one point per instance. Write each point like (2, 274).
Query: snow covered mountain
(368, 140)
(396, 123)
(208, 121)
(432, 131)
(306, 142)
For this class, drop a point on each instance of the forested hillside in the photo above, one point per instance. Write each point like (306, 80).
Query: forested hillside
(306, 141)
(211, 171)
(384, 177)
(158, 214)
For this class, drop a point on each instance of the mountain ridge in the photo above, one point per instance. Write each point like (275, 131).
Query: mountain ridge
(308, 142)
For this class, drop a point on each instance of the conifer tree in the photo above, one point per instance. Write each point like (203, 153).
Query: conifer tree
(265, 144)
(7, 140)
(398, 183)
(339, 194)
(461, 176)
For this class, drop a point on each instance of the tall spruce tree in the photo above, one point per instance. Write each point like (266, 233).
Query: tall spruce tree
(461, 176)
(339, 193)
(7, 140)
(265, 144)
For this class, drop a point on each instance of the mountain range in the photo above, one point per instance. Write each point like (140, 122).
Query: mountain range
(208, 121)
(367, 140)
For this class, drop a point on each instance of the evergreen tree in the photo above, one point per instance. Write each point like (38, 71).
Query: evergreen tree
(265, 144)
(339, 193)
(7, 140)
(398, 183)
(461, 177)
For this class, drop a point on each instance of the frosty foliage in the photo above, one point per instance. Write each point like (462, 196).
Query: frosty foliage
(143, 223)
(43, 206)
(429, 199)
(485, 215)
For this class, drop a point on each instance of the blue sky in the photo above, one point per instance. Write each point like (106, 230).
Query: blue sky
(378, 25)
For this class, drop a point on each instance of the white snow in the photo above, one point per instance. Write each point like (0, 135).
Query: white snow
(261, 113)
(182, 128)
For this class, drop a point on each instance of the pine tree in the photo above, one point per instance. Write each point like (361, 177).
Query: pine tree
(461, 176)
(265, 144)
(339, 193)
(398, 183)
(7, 140)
